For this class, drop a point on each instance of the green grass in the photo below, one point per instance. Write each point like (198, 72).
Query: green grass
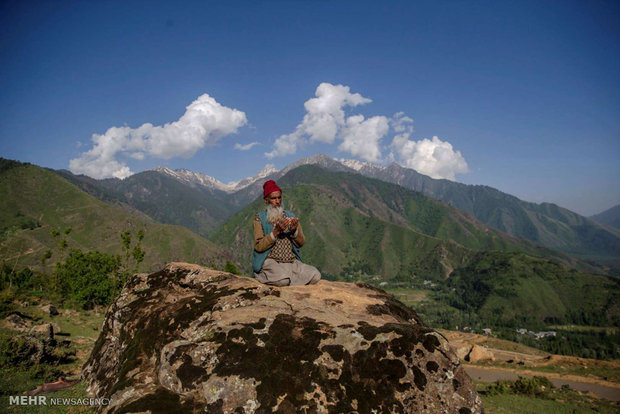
(13, 381)
(410, 297)
(518, 404)
(501, 398)
(27, 191)
(82, 328)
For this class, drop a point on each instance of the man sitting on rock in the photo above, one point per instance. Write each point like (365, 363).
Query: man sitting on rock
(277, 239)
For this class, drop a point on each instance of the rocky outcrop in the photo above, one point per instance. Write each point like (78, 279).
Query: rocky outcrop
(51, 310)
(480, 353)
(472, 353)
(191, 339)
(17, 322)
(44, 331)
(461, 350)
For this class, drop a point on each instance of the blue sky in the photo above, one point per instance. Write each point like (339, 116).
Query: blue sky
(522, 96)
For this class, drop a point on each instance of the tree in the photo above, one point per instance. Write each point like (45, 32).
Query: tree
(89, 279)
(11, 278)
(136, 253)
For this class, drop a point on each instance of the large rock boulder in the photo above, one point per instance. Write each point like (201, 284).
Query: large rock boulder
(49, 309)
(480, 353)
(193, 339)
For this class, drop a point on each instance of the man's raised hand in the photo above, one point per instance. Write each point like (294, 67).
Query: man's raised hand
(280, 226)
(293, 222)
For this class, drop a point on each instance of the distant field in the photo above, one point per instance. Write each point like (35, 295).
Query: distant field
(523, 404)
(408, 296)
(610, 330)
(594, 369)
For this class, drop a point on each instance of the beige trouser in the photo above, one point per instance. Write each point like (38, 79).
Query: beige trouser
(287, 274)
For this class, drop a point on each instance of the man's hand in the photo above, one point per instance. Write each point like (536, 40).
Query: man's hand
(286, 223)
(280, 226)
(293, 222)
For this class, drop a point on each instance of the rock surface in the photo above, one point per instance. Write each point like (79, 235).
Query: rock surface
(16, 323)
(50, 310)
(44, 331)
(479, 353)
(191, 339)
(462, 351)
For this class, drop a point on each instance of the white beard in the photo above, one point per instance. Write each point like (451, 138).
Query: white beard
(274, 214)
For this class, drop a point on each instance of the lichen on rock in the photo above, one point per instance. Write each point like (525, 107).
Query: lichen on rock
(192, 339)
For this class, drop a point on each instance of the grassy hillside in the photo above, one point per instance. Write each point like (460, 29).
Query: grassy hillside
(547, 224)
(510, 289)
(161, 197)
(357, 225)
(32, 195)
(398, 205)
(343, 242)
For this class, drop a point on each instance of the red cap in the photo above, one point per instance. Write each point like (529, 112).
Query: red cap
(269, 187)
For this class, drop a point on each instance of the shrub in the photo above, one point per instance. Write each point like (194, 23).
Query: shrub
(532, 386)
(9, 277)
(536, 387)
(89, 279)
(231, 268)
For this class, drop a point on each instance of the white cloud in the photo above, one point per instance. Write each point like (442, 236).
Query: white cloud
(325, 113)
(324, 119)
(285, 145)
(245, 147)
(204, 122)
(434, 158)
(361, 137)
(401, 123)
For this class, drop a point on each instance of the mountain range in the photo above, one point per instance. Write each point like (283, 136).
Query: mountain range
(610, 217)
(358, 228)
(358, 225)
(35, 203)
(202, 203)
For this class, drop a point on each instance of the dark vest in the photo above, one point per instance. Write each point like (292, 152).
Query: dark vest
(259, 258)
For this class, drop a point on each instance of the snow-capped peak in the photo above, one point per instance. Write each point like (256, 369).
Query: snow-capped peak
(269, 169)
(358, 165)
(203, 180)
(194, 178)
